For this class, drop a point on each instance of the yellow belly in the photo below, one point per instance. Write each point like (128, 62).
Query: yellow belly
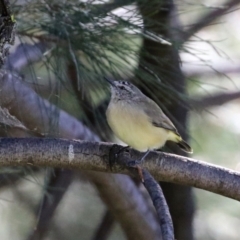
(134, 128)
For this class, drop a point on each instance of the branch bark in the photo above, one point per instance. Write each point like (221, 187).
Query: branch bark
(160, 204)
(84, 155)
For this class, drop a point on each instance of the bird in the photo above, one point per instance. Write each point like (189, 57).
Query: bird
(138, 121)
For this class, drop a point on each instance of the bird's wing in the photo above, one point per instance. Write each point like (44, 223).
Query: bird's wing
(157, 116)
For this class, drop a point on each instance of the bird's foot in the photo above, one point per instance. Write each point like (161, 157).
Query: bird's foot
(143, 157)
(115, 153)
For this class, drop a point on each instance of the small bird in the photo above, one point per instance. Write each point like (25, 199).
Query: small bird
(138, 121)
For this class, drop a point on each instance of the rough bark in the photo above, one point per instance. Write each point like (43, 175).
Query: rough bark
(94, 156)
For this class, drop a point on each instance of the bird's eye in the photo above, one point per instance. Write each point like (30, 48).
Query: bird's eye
(122, 87)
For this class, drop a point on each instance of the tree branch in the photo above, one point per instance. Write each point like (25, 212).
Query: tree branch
(24, 55)
(56, 188)
(218, 69)
(83, 155)
(209, 18)
(160, 204)
(38, 114)
(105, 226)
(215, 100)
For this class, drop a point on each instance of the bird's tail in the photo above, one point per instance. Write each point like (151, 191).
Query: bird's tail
(185, 147)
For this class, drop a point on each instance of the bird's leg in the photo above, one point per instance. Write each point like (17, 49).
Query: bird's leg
(137, 162)
(143, 157)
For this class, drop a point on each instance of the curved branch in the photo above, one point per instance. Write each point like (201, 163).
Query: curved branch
(36, 113)
(160, 204)
(85, 155)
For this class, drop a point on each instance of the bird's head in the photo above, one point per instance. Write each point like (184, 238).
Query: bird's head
(121, 90)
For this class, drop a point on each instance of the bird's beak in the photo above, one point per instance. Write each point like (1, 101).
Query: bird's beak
(110, 81)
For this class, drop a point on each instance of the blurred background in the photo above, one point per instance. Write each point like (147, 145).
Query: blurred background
(183, 54)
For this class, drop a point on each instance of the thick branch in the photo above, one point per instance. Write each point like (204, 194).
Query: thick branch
(85, 155)
(37, 114)
(24, 55)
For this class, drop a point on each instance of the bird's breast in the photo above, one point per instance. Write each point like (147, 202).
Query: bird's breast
(133, 126)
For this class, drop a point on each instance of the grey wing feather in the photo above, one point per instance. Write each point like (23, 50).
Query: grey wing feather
(157, 116)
